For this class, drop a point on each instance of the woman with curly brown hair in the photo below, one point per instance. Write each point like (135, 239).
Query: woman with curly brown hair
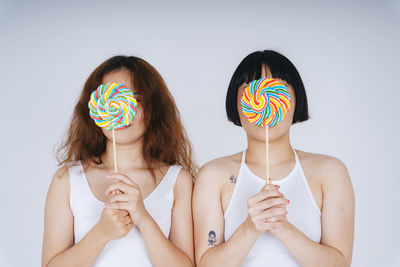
(150, 221)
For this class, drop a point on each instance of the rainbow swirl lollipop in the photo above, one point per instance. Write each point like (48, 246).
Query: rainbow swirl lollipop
(265, 102)
(112, 106)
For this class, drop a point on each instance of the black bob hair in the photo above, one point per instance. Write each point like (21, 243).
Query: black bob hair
(280, 67)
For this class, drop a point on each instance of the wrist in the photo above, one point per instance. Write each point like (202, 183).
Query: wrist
(99, 234)
(284, 232)
(143, 220)
(250, 230)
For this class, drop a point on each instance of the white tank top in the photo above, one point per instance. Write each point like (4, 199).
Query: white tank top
(129, 250)
(303, 212)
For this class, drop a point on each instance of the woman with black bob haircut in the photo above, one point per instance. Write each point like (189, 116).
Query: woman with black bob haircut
(304, 217)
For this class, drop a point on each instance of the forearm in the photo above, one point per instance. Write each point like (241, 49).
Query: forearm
(162, 252)
(84, 253)
(309, 253)
(233, 251)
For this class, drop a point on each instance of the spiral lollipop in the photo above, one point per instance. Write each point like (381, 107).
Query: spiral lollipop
(113, 107)
(265, 102)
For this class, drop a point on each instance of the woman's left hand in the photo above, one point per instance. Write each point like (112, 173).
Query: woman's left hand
(128, 198)
(285, 224)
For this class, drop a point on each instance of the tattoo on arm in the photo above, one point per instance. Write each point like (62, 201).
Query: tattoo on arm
(233, 179)
(211, 238)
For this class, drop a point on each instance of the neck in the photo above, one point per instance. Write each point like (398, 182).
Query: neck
(128, 156)
(280, 149)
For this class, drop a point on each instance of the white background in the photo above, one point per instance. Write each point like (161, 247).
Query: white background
(347, 53)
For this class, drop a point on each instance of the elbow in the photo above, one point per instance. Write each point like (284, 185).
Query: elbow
(45, 263)
(203, 261)
(200, 262)
(342, 260)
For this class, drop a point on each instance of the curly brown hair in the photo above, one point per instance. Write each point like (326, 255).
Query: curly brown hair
(165, 139)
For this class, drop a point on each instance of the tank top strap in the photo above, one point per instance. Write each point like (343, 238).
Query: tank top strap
(76, 176)
(295, 156)
(243, 161)
(171, 176)
(166, 185)
(79, 188)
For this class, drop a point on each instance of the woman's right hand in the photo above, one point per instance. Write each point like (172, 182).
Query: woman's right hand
(114, 224)
(266, 209)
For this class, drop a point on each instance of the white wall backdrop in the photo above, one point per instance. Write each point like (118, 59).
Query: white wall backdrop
(346, 51)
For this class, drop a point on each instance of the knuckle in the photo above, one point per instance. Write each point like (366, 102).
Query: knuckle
(250, 211)
(268, 193)
(268, 203)
(249, 202)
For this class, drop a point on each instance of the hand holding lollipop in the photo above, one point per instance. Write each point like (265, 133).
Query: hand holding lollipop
(113, 107)
(265, 102)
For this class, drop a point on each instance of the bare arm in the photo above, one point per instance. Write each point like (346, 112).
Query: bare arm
(58, 241)
(208, 216)
(337, 223)
(178, 250)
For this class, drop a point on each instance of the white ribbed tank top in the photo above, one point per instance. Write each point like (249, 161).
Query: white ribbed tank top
(303, 212)
(129, 250)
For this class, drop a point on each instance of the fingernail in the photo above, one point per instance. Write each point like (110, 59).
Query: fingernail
(286, 212)
(281, 195)
(277, 186)
(288, 201)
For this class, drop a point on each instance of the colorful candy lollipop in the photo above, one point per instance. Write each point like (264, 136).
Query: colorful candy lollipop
(265, 102)
(113, 107)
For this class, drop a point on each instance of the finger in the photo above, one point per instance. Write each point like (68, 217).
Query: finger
(263, 194)
(119, 206)
(121, 178)
(121, 213)
(121, 198)
(270, 203)
(115, 212)
(129, 226)
(123, 187)
(276, 219)
(272, 213)
(271, 186)
(271, 220)
(126, 219)
(271, 225)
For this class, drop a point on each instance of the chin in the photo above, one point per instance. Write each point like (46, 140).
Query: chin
(128, 135)
(128, 140)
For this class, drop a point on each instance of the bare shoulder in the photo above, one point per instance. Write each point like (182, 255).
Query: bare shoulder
(61, 176)
(216, 170)
(184, 181)
(60, 185)
(326, 168)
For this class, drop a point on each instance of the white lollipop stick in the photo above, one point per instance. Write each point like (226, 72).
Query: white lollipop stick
(266, 153)
(115, 155)
(115, 152)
